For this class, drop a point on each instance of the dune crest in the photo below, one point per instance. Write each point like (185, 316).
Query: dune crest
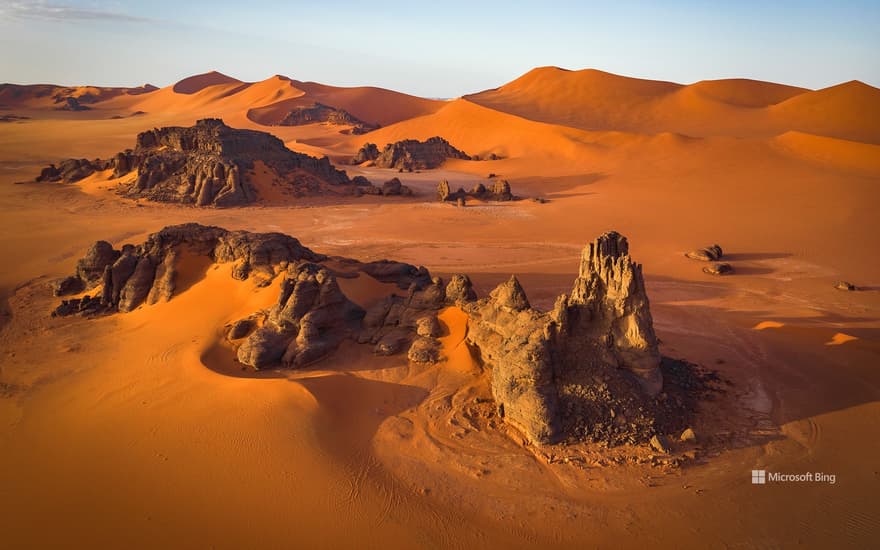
(199, 82)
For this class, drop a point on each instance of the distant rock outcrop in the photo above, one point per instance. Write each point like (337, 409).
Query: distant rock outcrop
(318, 112)
(588, 369)
(709, 254)
(210, 164)
(410, 154)
(498, 191)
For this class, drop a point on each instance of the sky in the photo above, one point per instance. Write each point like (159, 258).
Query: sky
(436, 48)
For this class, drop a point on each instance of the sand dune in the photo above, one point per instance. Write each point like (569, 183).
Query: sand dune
(846, 111)
(594, 100)
(745, 92)
(199, 82)
(832, 153)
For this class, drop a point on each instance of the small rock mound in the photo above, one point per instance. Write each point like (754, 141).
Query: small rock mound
(410, 154)
(318, 112)
(843, 285)
(709, 254)
(498, 191)
(718, 269)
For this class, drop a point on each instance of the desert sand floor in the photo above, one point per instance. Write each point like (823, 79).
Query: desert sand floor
(138, 430)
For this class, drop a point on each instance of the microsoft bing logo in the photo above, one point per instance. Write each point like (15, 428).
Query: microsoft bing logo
(759, 477)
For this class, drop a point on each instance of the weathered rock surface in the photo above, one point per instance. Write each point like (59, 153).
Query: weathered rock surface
(71, 170)
(318, 112)
(369, 152)
(460, 290)
(410, 154)
(843, 285)
(588, 369)
(709, 254)
(309, 321)
(209, 164)
(718, 269)
(129, 277)
(394, 187)
(498, 191)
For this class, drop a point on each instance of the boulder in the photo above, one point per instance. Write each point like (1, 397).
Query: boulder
(69, 285)
(240, 329)
(443, 190)
(391, 187)
(428, 326)
(660, 444)
(843, 285)
(369, 152)
(460, 290)
(709, 254)
(424, 350)
(90, 268)
(688, 435)
(263, 348)
(718, 269)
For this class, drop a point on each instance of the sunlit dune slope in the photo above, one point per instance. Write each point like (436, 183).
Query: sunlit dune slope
(846, 111)
(594, 100)
(199, 82)
(831, 152)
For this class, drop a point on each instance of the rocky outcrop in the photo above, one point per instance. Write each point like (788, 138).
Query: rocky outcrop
(718, 268)
(709, 254)
(125, 279)
(498, 191)
(587, 369)
(369, 152)
(71, 170)
(72, 104)
(312, 316)
(410, 154)
(407, 322)
(318, 112)
(210, 164)
(394, 187)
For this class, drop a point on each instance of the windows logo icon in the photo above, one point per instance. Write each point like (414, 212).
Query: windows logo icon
(759, 477)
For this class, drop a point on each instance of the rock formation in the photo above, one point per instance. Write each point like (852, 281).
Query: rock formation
(718, 268)
(709, 254)
(318, 112)
(311, 318)
(410, 154)
(126, 278)
(589, 368)
(394, 187)
(210, 164)
(499, 191)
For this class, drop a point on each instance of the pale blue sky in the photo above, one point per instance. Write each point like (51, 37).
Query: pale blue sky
(436, 48)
